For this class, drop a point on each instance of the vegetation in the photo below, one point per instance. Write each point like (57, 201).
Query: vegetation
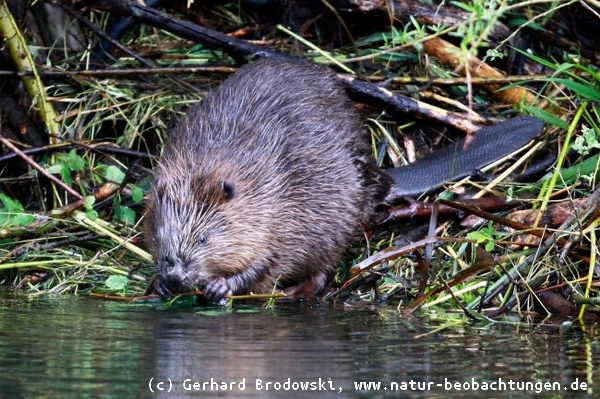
(87, 104)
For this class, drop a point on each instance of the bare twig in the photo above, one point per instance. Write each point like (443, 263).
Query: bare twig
(36, 166)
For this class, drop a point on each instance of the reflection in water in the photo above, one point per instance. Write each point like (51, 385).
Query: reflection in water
(293, 346)
(82, 348)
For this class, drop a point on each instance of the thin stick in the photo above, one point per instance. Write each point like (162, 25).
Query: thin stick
(35, 165)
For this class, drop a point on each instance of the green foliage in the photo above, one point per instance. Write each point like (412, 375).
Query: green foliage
(411, 33)
(186, 301)
(581, 80)
(583, 90)
(486, 235)
(113, 174)
(137, 194)
(66, 164)
(587, 141)
(74, 161)
(380, 42)
(12, 213)
(468, 296)
(116, 283)
(124, 213)
(492, 54)
(483, 17)
(89, 207)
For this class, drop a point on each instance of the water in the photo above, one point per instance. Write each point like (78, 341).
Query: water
(89, 348)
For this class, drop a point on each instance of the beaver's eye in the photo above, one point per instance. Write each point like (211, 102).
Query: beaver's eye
(202, 239)
(227, 189)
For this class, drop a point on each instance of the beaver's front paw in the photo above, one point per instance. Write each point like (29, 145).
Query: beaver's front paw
(216, 290)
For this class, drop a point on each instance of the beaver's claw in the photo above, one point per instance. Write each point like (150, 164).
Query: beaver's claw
(216, 290)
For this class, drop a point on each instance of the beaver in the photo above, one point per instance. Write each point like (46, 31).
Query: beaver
(265, 183)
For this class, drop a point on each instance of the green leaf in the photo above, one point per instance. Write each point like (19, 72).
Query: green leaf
(12, 213)
(464, 6)
(114, 174)
(22, 219)
(125, 214)
(91, 214)
(584, 90)
(9, 204)
(66, 175)
(546, 117)
(88, 204)
(492, 54)
(116, 283)
(89, 201)
(586, 142)
(55, 169)
(486, 235)
(137, 194)
(478, 236)
(75, 162)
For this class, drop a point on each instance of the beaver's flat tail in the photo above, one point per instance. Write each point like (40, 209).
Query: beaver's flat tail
(454, 162)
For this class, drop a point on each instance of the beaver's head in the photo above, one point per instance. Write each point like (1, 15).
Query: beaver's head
(197, 230)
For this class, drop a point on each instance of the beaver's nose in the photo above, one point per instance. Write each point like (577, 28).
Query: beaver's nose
(171, 267)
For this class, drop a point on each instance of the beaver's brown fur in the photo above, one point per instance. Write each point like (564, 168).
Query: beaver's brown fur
(266, 182)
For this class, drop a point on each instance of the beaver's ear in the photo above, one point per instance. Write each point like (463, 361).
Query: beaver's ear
(206, 188)
(227, 190)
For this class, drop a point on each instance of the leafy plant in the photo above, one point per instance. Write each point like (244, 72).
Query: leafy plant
(66, 164)
(12, 213)
(89, 207)
(587, 141)
(486, 235)
(116, 283)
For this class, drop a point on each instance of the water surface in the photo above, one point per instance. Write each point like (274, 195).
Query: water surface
(79, 347)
